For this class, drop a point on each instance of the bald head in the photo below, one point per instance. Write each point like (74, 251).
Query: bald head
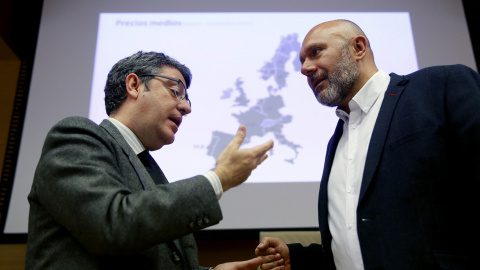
(343, 28)
(337, 60)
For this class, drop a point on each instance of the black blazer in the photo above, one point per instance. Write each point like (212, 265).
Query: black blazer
(416, 200)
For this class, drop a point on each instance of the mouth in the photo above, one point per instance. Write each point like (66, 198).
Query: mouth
(316, 81)
(177, 120)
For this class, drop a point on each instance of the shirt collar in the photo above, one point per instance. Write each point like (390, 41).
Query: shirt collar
(132, 139)
(368, 94)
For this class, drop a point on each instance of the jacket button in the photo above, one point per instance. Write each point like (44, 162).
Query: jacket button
(206, 220)
(175, 257)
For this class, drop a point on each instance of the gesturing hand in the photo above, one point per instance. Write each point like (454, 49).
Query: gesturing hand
(235, 165)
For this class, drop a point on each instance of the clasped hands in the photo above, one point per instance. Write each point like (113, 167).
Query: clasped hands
(272, 254)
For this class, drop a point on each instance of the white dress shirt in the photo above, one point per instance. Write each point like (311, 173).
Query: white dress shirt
(347, 170)
(137, 147)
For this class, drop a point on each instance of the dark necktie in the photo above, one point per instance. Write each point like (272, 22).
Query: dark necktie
(159, 178)
(152, 168)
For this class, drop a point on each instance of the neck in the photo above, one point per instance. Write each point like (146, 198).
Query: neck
(361, 81)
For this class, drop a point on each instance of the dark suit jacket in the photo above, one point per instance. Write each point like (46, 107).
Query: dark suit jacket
(93, 205)
(416, 200)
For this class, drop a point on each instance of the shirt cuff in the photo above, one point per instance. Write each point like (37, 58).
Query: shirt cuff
(216, 184)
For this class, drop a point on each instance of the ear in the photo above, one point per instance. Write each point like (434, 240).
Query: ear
(360, 45)
(132, 83)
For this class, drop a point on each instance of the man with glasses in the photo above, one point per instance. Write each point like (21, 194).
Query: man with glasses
(99, 200)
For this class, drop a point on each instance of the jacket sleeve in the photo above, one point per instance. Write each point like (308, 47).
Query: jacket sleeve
(310, 257)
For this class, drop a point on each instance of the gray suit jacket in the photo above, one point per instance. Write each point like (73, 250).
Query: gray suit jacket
(93, 205)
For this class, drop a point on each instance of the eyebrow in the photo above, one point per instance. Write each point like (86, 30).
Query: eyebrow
(169, 82)
(310, 47)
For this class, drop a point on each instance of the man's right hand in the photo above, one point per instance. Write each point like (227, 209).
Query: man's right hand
(269, 246)
(235, 165)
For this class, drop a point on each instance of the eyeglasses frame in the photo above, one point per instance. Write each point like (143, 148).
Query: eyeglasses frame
(173, 91)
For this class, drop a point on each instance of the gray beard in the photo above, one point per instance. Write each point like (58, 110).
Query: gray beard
(340, 81)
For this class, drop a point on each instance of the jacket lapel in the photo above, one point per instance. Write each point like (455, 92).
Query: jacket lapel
(142, 173)
(380, 131)
(327, 168)
(331, 149)
(145, 179)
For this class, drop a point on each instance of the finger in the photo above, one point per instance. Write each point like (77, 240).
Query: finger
(271, 250)
(265, 243)
(259, 251)
(261, 149)
(266, 246)
(253, 263)
(271, 258)
(262, 159)
(281, 267)
(262, 246)
(264, 250)
(273, 265)
(239, 137)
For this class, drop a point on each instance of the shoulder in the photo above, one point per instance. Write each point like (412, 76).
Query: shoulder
(444, 70)
(80, 138)
(76, 124)
(75, 121)
(77, 128)
(438, 76)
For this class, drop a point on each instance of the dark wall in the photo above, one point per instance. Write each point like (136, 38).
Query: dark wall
(473, 21)
(19, 22)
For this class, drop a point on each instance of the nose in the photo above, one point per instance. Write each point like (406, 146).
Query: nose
(308, 68)
(184, 107)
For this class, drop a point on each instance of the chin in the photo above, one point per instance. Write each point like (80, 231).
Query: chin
(170, 140)
(162, 142)
(166, 136)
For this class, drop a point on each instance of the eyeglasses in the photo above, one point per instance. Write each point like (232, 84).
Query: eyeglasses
(180, 90)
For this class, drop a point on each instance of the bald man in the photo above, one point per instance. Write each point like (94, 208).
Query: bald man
(396, 191)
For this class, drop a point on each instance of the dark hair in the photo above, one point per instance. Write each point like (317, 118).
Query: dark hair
(138, 63)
